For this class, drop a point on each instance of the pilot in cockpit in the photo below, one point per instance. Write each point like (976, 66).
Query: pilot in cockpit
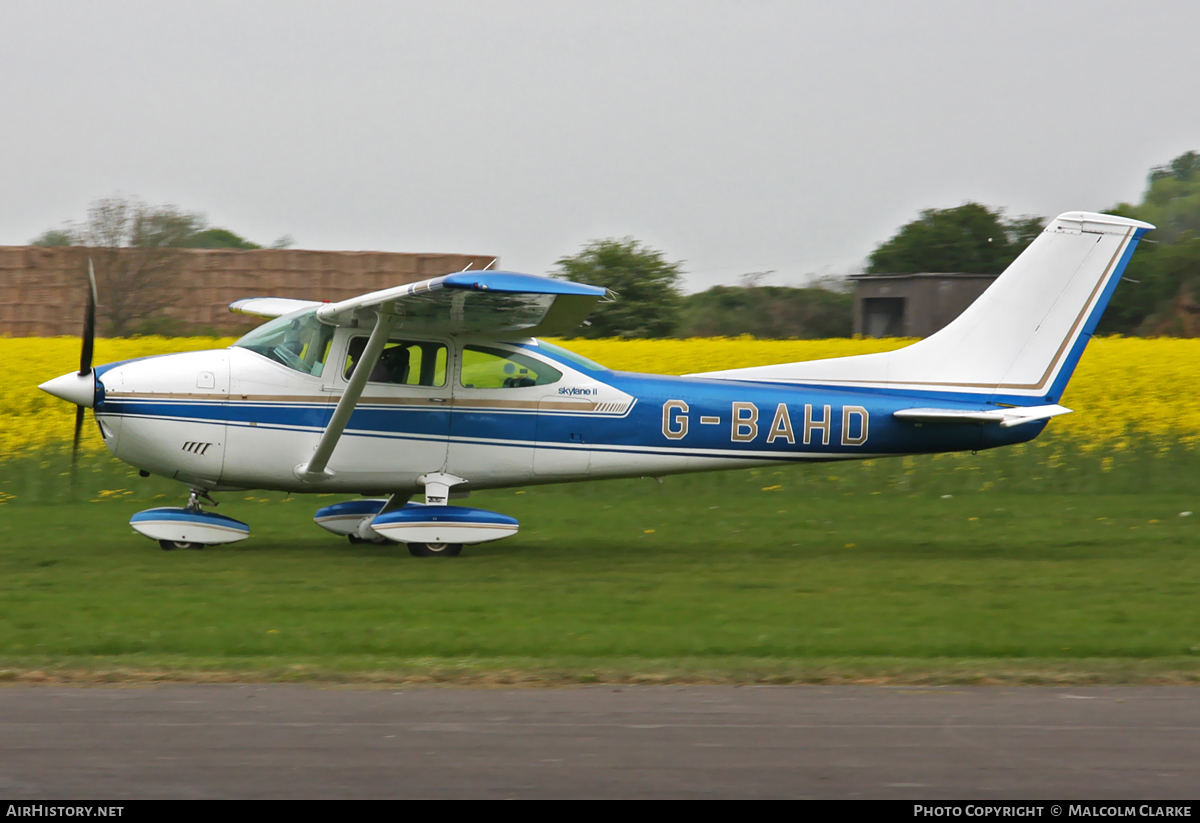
(392, 366)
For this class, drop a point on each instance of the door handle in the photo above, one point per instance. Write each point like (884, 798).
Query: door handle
(437, 400)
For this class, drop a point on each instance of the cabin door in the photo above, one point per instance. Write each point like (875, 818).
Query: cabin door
(401, 426)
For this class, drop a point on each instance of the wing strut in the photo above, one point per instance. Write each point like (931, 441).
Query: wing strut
(314, 470)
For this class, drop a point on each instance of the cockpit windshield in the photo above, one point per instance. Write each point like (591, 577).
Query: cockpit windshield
(299, 341)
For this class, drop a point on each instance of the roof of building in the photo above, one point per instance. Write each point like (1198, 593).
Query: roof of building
(939, 275)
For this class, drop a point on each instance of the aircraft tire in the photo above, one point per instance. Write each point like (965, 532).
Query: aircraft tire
(435, 549)
(357, 541)
(172, 545)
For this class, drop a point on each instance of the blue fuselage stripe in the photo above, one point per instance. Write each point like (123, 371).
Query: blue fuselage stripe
(643, 430)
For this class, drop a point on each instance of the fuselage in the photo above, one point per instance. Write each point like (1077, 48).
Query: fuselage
(495, 413)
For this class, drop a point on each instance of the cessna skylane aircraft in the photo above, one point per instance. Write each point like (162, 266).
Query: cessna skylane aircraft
(440, 387)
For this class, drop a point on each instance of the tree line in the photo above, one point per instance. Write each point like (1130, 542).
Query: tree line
(135, 251)
(645, 300)
(1159, 295)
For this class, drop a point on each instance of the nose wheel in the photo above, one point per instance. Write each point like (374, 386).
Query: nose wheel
(190, 527)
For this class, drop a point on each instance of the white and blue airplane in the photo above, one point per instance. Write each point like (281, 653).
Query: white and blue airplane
(441, 387)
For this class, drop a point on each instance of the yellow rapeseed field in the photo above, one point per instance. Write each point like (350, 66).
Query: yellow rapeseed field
(34, 419)
(1123, 387)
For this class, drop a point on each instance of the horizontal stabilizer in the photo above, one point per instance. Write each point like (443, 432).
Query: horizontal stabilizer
(1007, 417)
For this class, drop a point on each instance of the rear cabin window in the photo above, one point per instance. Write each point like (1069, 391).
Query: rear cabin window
(484, 368)
(403, 362)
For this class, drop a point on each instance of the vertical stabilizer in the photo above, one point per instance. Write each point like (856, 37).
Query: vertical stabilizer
(1021, 339)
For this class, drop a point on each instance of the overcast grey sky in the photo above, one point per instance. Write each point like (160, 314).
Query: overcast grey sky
(736, 136)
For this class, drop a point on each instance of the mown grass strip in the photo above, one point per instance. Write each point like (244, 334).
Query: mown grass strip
(896, 573)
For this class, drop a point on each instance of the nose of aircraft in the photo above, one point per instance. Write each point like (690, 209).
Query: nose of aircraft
(73, 387)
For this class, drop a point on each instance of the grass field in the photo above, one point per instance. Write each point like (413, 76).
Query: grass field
(1033, 565)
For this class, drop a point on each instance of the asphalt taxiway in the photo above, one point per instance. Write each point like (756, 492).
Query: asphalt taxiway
(283, 741)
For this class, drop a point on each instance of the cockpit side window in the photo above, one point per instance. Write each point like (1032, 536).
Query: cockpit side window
(487, 368)
(403, 362)
(299, 341)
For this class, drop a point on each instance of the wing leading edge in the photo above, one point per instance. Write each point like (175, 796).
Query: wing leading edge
(474, 302)
(466, 302)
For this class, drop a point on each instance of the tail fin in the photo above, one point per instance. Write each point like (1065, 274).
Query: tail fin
(1020, 341)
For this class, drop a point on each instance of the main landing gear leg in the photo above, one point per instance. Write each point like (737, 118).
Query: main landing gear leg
(365, 534)
(437, 493)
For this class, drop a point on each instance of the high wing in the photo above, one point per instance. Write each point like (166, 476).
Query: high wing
(1006, 417)
(499, 303)
(496, 303)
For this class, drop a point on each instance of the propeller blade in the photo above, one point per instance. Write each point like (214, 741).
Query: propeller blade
(79, 410)
(85, 363)
(89, 335)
